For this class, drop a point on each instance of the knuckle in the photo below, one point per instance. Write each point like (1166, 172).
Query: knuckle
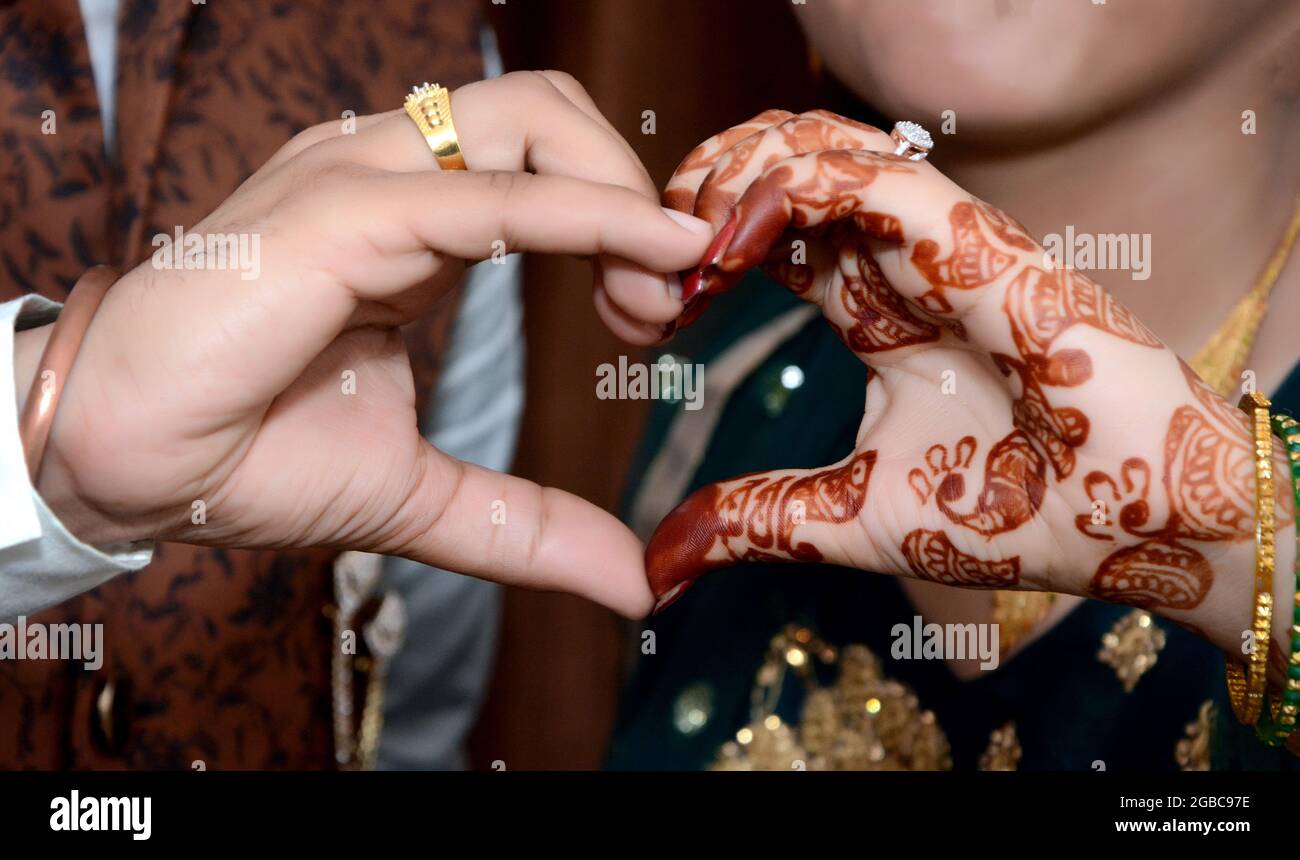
(313, 133)
(330, 176)
(530, 80)
(563, 80)
(307, 138)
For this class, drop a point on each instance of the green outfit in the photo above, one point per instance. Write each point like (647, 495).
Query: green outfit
(1069, 709)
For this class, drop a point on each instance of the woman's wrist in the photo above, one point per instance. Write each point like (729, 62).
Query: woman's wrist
(1225, 618)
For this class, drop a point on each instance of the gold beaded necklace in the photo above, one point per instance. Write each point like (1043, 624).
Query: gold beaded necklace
(1222, 360)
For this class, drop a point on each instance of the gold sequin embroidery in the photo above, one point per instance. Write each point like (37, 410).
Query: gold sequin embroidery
(1193, 751)
(1131, 647)
(863, 721)
(1003, 751)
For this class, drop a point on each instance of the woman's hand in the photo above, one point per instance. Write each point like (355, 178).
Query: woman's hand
(1022, 429)
(202, 388)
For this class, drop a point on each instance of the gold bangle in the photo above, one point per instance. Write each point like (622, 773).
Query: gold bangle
(1277, 725)
(1246, 687)
(430, 107)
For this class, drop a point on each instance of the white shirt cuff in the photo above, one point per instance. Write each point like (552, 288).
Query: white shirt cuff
(41, 562)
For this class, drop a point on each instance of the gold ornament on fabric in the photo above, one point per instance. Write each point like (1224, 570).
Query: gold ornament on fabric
(357, 576)
(1193, 751)
(1003, 751)
(1131, 647)
(863, 721)
(1018, 612)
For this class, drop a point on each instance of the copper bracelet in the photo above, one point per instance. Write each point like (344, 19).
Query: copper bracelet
(56, 363)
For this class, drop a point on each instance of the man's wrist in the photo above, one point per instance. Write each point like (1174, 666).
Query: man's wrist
(57, 485)
(29, 344)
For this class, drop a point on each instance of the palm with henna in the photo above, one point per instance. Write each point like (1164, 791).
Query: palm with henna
(1022, 429)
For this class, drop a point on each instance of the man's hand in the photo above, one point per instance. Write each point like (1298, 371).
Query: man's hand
(202, 388)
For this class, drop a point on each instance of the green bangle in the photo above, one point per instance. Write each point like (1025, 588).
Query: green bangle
(1278, 720)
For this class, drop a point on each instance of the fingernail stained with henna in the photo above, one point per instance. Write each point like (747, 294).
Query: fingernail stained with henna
(755, 520)
(678, 550)
(704, 279)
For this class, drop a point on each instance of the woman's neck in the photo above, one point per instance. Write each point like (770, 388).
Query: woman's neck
(1213, 200)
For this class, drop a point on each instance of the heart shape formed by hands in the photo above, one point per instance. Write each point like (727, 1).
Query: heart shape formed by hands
(1022, 428)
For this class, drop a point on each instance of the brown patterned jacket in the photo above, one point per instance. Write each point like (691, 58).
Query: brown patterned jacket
(213, 655)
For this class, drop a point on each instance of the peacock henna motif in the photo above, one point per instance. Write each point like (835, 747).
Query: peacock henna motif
(1056, 430)
(1043, 304)
(1040, 306)
(931, 555)
(975, 261)
(1208, 480)
(1015, 481)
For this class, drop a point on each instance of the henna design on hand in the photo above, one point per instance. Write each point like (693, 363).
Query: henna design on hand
(1041, 305)
(725, 157)
(777, 202)
(931, 555)
(678, 194)
(975, 261)
(1157, 573)
(882, 319)
(754, 521)
(1015, 481)
(1044, 304)
(1208, 479)
(769, 509)
(1210, 467)
(1056, 430)
(810, 177)
(822, 200)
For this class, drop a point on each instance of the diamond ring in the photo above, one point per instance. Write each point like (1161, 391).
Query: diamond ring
(911, 140)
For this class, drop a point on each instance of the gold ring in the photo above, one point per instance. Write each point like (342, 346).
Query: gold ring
(430, 107)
